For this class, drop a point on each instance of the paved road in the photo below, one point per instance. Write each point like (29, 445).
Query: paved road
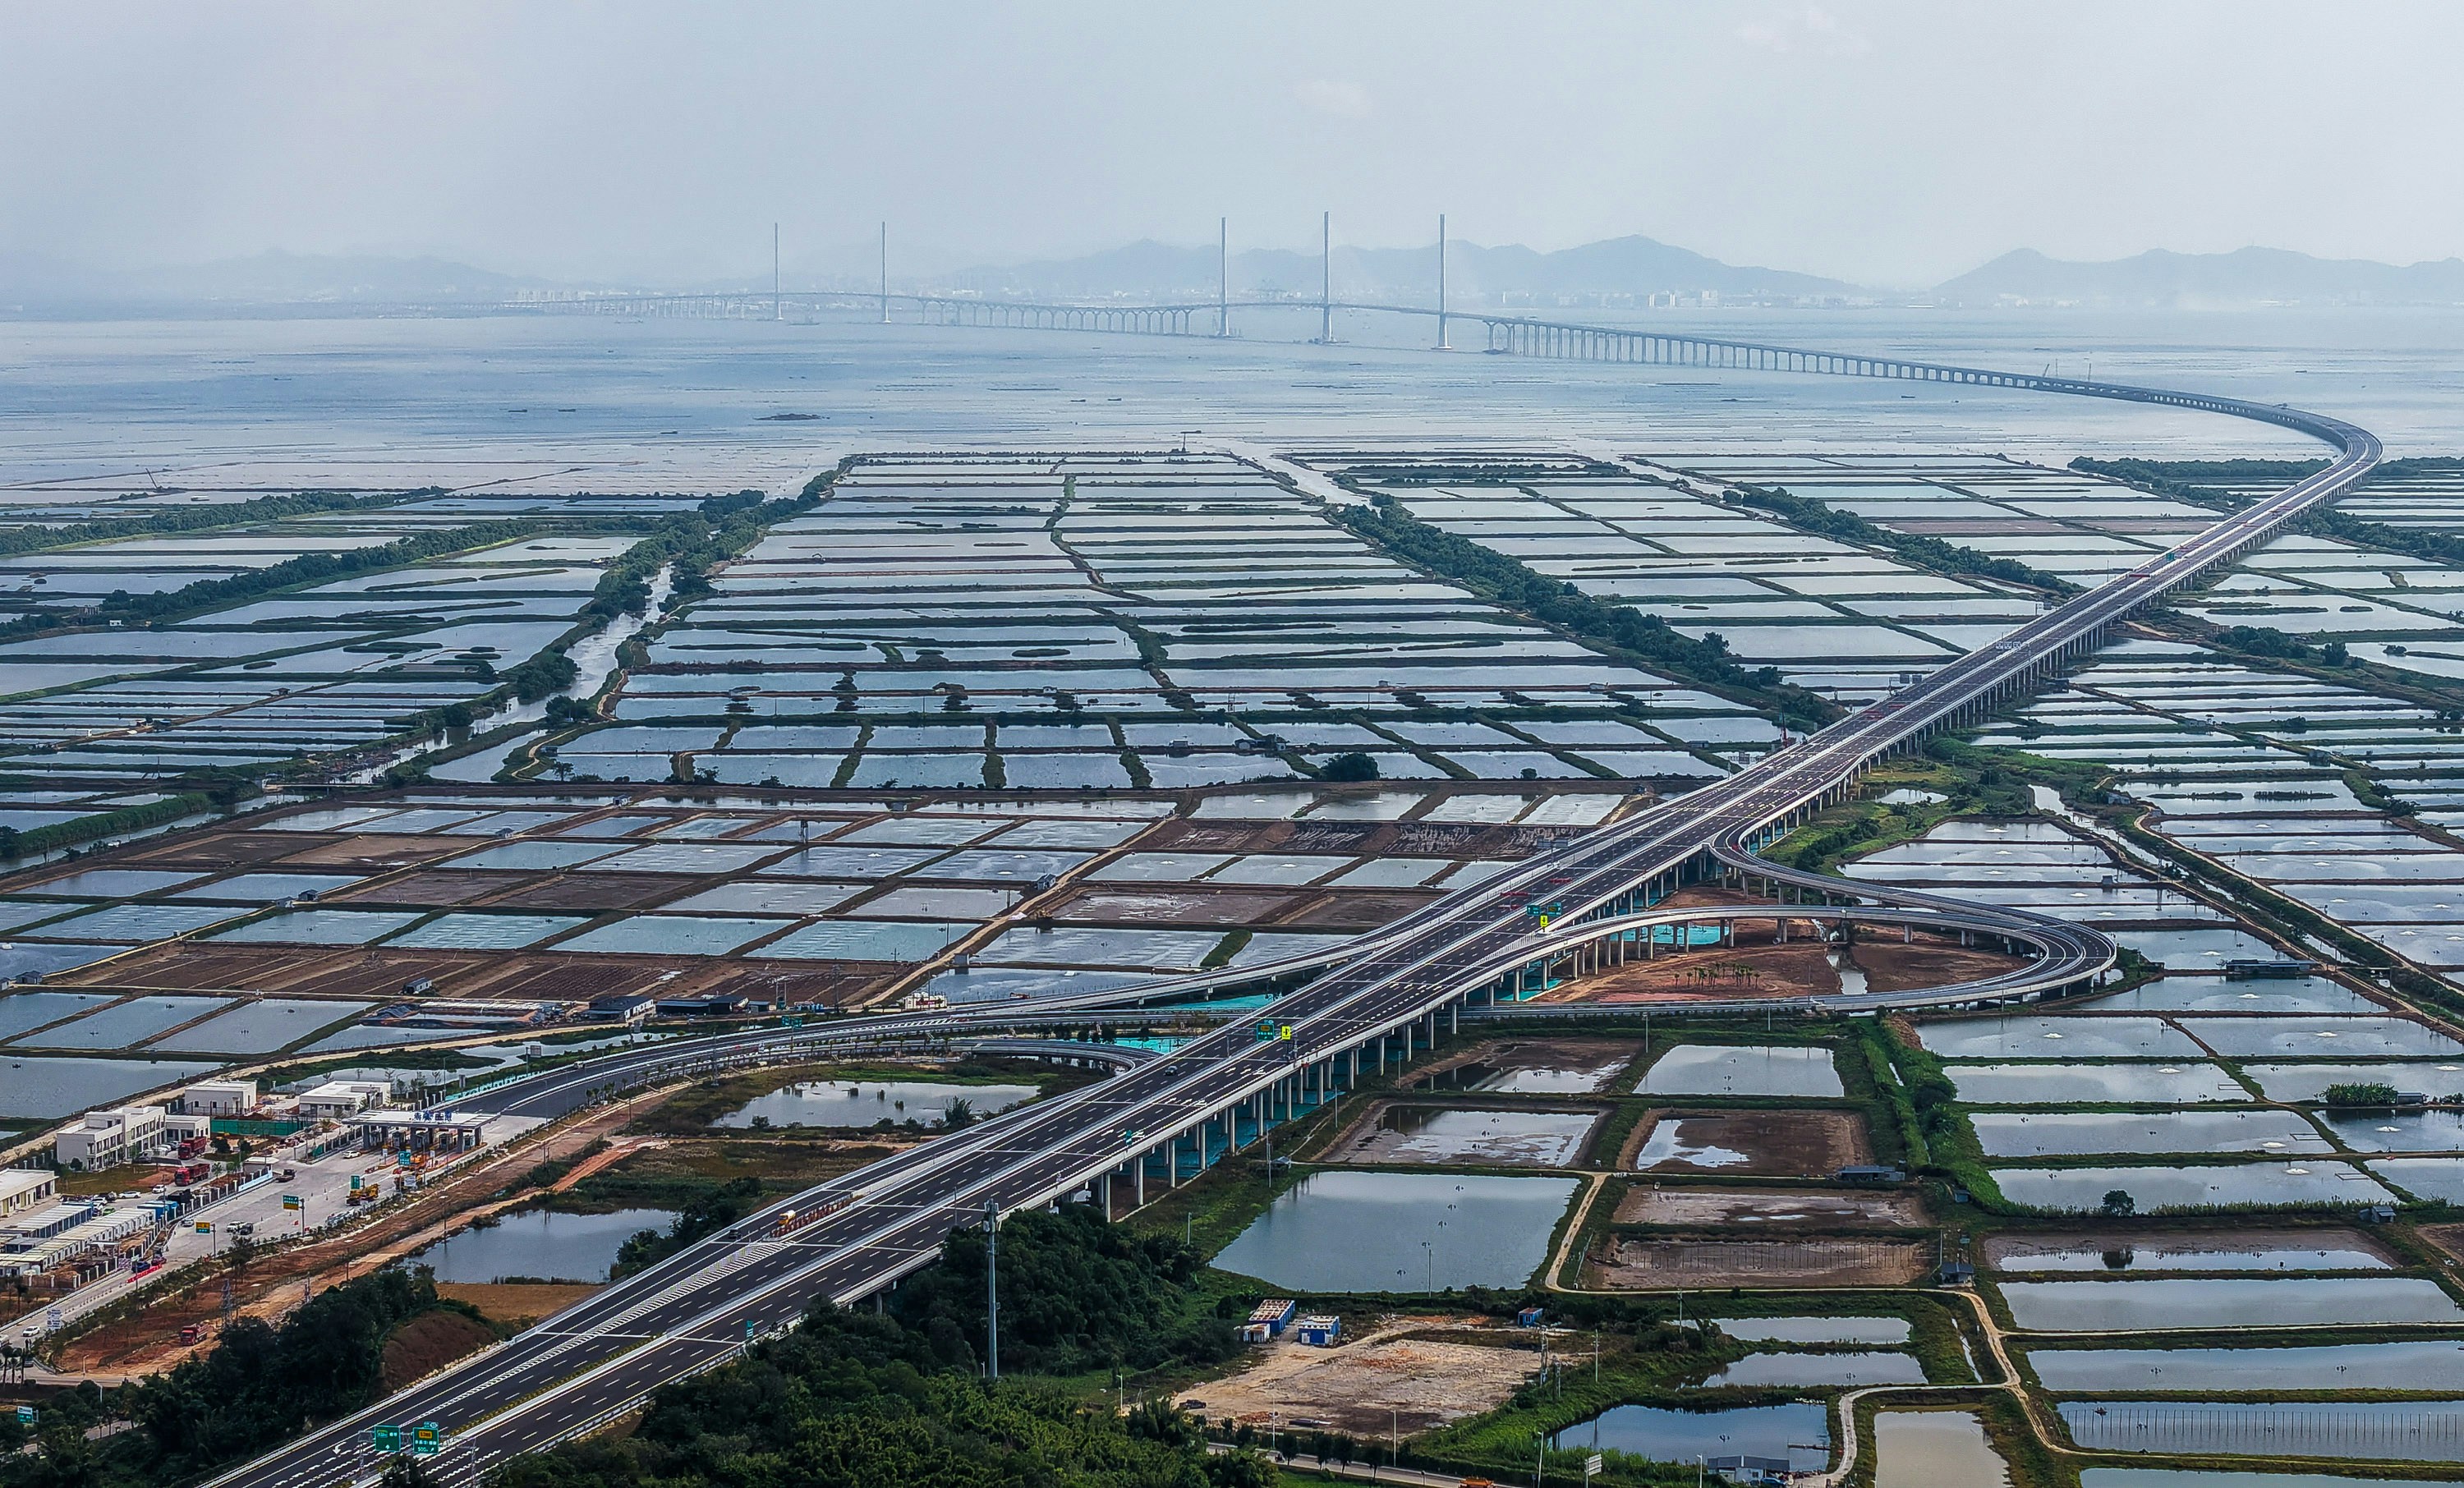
(695, 1310)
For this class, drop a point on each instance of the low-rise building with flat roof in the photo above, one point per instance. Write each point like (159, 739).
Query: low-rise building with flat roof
(108, 1138)
(25, 1190)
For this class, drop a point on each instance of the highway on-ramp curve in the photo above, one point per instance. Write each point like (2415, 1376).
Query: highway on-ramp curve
(696, 1309)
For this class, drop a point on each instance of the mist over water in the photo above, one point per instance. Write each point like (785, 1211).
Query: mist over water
(557, 403)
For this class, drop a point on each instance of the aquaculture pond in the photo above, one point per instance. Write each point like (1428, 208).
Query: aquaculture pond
(2415, 1430)
(1721, 1070)
(2151, 1305)
(1400, 1232)
(1553, 1068)
(1517, 1138)
(1817, 1330)
(1799, 1371)
(2202, 1186)
(2244, 1252)
(1933, 1449)
(2410, 1365)
(2070, 1134)
(1799, 1431)
(539, 1242)
(2212, 1477)
(35, 1086)
(865, 1103)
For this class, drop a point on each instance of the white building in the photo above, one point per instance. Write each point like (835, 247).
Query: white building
(25, 1190)
(216, 1098)
(337, 1099)
(106, 1139)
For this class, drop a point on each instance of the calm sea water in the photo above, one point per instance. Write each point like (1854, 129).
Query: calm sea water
(622, 404)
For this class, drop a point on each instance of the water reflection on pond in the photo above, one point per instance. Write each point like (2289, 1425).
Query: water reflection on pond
(2418, 1431)
(1799, 1431)
(539, 1242)
(1435, 1134)
(2196, 1303)
(843, 1104)
(1556, 1068)
(2410, 1365)
(1796, 1371)
(1932, 1449)
(1400, 1232)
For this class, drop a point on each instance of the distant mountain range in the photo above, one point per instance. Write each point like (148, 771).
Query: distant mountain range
(1627, 272)
(2245, 276)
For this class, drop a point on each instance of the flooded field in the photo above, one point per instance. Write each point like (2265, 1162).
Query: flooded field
(1778, 1208)
(1557, 1066)
(1741, 1071)
(1406, 1133)
(1623, 1261)
(1782, 1143)
(1394, 1232)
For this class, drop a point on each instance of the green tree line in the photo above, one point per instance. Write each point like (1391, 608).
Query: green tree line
(260, 1386)
(896, 1400)
(1931, 553)
(1646, 640)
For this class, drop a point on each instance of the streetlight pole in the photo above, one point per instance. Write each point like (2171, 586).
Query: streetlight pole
(992, 1290)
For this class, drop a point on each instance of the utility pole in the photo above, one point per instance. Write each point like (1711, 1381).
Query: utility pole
(885, 273)
(1325, 284)
(992, 1290)
(1442, 343)
(775, 312)
(1222, 276)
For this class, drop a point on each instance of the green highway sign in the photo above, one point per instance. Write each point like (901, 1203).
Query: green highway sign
(425, 1438)
(386, 1438)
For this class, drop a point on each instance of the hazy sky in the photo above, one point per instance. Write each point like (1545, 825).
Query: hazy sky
(1889, 142)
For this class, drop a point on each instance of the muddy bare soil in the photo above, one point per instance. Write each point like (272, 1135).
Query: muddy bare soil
(1929, 962)
(1764, 1144)
(515, 1304)
(1780, 1261)
(1771, 1209)
(1553, 1066)
(1381, 1380)
(1477, 1133)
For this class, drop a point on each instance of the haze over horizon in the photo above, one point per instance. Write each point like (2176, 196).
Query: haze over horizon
(1894, 147)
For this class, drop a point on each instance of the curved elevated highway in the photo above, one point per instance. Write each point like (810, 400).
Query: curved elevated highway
(1167, 1117)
